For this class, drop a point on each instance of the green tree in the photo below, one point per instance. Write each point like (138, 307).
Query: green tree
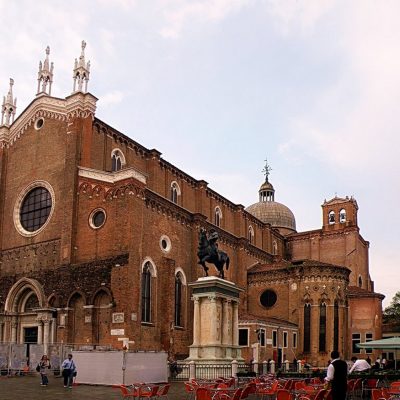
(392, 312)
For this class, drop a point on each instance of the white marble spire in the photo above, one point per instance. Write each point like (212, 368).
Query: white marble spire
(8, 107)
(81, 72)
(45, 75)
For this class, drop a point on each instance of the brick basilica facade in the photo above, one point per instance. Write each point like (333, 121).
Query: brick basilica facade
(99, 235)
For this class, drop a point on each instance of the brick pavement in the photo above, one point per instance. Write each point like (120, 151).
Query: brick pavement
(28, 387)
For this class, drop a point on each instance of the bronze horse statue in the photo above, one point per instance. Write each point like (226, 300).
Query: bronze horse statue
(208, 252)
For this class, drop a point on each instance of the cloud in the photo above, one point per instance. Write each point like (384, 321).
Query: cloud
(111, 98)
(179, 15)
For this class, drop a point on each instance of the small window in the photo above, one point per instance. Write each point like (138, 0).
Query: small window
(268, 298)
(331, 217)
(274, 338)
(39, 123)
(360, 282)
(243, 337)
(217, 216)
(294, 343)
(250, 235)
(165, 243)
(117, 160)
(261, 337)
(175, 192)
(274, 248)
(97, 218)
(368, 338)
(356, 338)
(285, 339)
(342, 216)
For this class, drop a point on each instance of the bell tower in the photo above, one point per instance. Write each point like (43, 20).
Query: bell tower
(339, 213)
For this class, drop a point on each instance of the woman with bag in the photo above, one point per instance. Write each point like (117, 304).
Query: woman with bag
(68, 371)
(43, 366)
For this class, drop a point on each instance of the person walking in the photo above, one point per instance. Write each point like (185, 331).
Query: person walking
(337, 376)
(68, 371)
(44, 365)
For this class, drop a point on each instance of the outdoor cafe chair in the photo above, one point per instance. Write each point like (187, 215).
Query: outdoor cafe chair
(148, 392)
(283, 394)
(190, 390)
(203, 393)
(125, 392)
(163, 391)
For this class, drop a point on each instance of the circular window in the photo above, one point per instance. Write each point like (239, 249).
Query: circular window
(268, 298)
(165, 243)
(33, 208)
(97, 218)
(39, 124)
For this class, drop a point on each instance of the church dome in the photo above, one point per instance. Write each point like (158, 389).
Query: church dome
(270, 211)
(274, 213)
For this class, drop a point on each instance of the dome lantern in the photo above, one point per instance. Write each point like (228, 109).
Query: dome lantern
(270, 211)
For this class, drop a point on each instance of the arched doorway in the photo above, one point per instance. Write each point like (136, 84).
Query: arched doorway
(76, 319)
(101, 317)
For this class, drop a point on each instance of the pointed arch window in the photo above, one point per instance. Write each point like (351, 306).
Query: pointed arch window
(307, 328)
(250, 235)
(146, 293)
(117, 160)
(342, 216)
(274, 248)
(331, 217)
(175, 192)
(217, 216)
(336, 326)
(322, 327)
(178, 299)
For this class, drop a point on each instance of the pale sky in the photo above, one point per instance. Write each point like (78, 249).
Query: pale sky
(314, 86)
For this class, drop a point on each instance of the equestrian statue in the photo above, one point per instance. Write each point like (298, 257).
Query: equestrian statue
(208, 252)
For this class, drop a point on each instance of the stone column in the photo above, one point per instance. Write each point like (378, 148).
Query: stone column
(46, 335)
(213, 319)
(14, 326)
(235, 324)
(53, 330)
(196, 321)
(226, 331)
(40, 331)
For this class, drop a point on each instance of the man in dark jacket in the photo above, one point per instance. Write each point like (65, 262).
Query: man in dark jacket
(337, 376)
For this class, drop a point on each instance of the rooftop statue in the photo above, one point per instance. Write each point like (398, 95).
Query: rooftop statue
(208, 252)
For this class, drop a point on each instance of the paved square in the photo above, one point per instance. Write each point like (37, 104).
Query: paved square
(28, 387)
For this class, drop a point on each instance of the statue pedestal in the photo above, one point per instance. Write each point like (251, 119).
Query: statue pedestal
(215, 322)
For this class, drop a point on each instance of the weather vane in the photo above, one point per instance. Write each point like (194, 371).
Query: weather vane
(267, 169)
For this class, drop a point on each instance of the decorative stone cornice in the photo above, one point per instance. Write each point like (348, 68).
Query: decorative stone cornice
(112, 177)
(78, 105)
(81, 105)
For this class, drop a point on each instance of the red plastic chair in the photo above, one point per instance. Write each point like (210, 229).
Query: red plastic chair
(163, 391)
(203, 393)
(146, 392)
(125, 392)
(283, 394)
(190, 390)
(321, 395)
